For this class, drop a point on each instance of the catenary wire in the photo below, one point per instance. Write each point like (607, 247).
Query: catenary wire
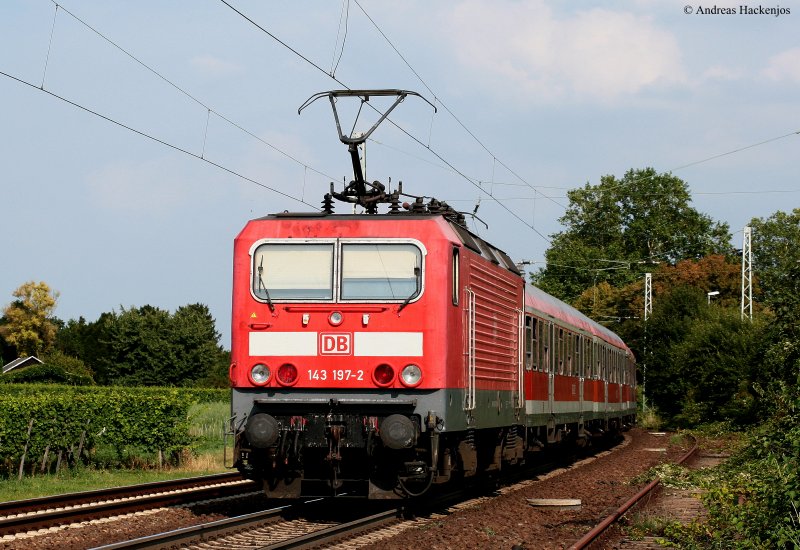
(403, 130)
(446, 108)
(153, 138)
(188, 94)
(471, 180)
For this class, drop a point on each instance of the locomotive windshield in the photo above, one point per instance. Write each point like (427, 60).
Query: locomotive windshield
(366, 271)
(380, 271)
(293, 272)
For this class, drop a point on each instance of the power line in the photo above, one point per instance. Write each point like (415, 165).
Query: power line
(714, 157)
(694, 193)
(494, 157)
(403, 130)
(475, 182)
(208, 108)
(446, 108)
(151, 137)
(736, 150)
(345, 15)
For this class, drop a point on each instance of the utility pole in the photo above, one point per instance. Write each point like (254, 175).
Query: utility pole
(747, 275)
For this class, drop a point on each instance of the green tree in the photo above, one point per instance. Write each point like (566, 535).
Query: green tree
(616, 230)
(704, 360)
(776, 253)
(148, 346)
(780, 365)
(29, 326)
(89, 342)
(195, 333)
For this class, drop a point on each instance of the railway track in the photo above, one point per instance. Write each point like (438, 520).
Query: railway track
(294, 526)
(33, 514)
(311, 524)
(647, 491)
(263, 530)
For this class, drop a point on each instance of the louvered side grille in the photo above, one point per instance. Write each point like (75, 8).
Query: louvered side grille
(497, 302)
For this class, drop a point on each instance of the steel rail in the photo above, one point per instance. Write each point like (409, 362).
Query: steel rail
(48, 511)
(71, 499)
(208, 532)
(202, 532)
(601, 527)
(324, 536)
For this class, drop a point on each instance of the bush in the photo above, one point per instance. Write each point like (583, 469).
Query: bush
(116, 425)
(46, 374)
(754, 498)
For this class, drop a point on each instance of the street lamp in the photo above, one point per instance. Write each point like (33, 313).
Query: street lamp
(712, 293)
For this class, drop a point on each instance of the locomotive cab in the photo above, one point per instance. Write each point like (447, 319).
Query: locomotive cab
(340, 351)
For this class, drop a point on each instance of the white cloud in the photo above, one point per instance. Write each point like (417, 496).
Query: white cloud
(214, 66)
(591, 54)
(721, 73)
(784, 66)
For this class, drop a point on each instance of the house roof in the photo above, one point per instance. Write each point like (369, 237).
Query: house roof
(21, 362)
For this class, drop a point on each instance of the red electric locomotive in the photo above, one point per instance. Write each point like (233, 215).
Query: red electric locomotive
(375, 355)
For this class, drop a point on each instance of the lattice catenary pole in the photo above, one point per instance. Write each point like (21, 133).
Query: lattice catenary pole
(747, 275)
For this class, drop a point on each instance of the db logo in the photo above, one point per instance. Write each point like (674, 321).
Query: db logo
(335, 344)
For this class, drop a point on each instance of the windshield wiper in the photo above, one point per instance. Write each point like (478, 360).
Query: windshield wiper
(418, 277)
(262, 286)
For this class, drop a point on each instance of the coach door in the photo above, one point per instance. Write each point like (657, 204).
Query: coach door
(550, 363)
(604, 354)
(579, 366)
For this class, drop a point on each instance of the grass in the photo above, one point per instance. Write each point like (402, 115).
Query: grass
(205, 457)
(208, 425)
(648, 419)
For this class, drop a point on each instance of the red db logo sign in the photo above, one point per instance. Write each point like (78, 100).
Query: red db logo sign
(335, 344)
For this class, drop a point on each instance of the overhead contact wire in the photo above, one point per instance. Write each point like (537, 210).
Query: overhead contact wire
(437, 155)
(188, 94)
(153, 138)
(446, 108)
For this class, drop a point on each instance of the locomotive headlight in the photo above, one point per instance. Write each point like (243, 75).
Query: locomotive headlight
(335, 318)
(259, 374)
(411, 375)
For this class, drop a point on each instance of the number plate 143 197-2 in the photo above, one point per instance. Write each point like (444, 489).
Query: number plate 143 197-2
(337, 375)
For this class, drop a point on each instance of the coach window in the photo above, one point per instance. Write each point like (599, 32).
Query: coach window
(560, 351)
(381, 271)
(456, 275)
(546, 348)
(528, 342)
(293, 271)
(570, 352)
(587, 357)
(598, 361)
(603, 363)
(614, 373)
(535, 344)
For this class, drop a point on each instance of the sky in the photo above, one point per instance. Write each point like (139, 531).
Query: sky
(138, 138)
